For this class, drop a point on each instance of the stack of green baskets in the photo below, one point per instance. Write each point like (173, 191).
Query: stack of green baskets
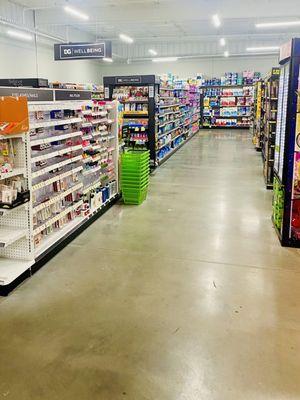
(134, 176)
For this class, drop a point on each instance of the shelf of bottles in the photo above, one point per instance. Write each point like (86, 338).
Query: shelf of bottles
(227, 107)
(177, 118)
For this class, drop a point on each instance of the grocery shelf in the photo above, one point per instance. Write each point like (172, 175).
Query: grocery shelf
(56, 178)
(58, 122)
(11, 269)
(55, 138)
(9, 235)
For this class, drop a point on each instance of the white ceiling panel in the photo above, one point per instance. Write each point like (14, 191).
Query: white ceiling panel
(173, 27)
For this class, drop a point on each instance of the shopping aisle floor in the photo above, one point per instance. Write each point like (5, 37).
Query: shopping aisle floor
(187, 297)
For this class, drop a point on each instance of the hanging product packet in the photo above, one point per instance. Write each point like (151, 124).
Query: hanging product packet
(13, 115)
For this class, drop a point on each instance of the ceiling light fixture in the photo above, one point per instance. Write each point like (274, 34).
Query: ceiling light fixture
(165, 59)
(19, 35)
(76, 13)
(277, 24)
(152, 52)
(216, 20)
(222, 42)
(107, 59)
(226, 53)
(125, 38)
(265, 48)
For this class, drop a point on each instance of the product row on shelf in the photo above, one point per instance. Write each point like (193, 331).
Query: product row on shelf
(265, 122)
(155, 114)
(224, 107)
(244, 78)
(59, 170)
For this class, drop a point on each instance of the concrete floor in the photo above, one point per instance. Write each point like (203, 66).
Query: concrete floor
(187, 297)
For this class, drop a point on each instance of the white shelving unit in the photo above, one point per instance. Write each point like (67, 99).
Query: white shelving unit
(70, 163)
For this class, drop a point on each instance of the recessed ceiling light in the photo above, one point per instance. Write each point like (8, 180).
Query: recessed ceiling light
(165, 59)
(222, 42)
(226, 53)
(152, 52)
(264, 48)
(107, 59)
(277, 24)
(76, 13)
(19, 35)
(216, 20)
(125, 38)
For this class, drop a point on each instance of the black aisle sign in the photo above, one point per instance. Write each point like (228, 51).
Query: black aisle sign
(82, 51)
(72, 94)
(31, 94)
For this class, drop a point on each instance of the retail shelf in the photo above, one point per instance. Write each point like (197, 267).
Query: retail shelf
(56, 153)
(14, 172)
(6, 211)
(9, 235)
(15, 136)
(60, 105)
(49, 241)
(170, 131)
(91, 170)
(99, 113)
(11, 269)
(56, 198)
(56, 178)
(54, 138)
(56, 122)
(61, 164)
(168, 105)
(57, 217)
(86, 125)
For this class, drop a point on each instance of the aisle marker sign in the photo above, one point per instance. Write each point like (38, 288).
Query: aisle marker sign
(82, 51)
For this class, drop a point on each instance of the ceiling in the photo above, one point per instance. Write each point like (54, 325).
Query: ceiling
(172, 27)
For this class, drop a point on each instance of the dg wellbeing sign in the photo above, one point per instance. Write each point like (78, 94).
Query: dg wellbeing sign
(82, 51)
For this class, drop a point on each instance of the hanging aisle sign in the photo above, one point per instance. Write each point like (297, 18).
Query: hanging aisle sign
(82, 51)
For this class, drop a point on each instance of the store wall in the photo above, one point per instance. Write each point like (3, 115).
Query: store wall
(186, 68)
(19, 59)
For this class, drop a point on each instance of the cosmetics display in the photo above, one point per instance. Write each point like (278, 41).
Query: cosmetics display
(226, 107)
(57, 177)
(286, 200)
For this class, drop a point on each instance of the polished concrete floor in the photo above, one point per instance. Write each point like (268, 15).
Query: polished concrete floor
(187, 297)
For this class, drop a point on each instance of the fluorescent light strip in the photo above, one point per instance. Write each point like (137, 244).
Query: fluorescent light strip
(165, 59)
(152, 52)
(265, 48)
(106, 59)
(125, 38)
(277, 24)
(76, 13)
(19, 35)
(222, 42)
(216, 20)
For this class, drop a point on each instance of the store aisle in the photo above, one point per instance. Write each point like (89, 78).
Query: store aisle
(189, 296)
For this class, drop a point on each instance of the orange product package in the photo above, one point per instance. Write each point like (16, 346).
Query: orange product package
(13, 115)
